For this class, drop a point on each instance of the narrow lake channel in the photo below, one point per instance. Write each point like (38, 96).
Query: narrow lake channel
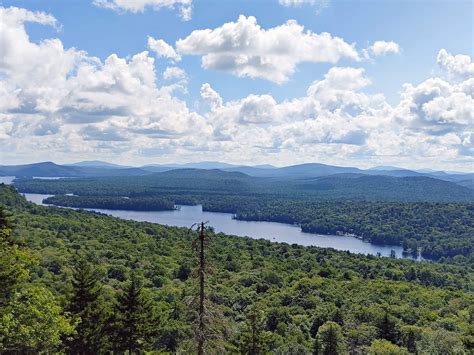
(186, 216)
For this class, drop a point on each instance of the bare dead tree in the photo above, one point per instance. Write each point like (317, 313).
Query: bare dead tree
(209, 323)
(199, 244)
(202, 273)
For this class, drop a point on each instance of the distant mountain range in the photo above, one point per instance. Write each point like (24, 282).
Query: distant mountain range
(98, 168)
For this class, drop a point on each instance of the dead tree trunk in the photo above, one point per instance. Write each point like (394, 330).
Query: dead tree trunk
(202, 311)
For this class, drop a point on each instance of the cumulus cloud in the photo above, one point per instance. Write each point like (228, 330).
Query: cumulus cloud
(47, 90)
(379, 48)
(174, 73)
(244, 49)
(162, 49)
(209, 95)
(437, 107)
(185, 6)
(457, 66)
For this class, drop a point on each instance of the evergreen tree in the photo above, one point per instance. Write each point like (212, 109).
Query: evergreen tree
(135, 324)
(338, 317)
(252, 339)
(85, 306)
(6, 225)
(387, 329)
(329, 340)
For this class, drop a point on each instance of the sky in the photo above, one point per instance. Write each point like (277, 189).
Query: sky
(352, 83)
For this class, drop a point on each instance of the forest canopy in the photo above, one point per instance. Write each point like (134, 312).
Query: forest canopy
(93, 278)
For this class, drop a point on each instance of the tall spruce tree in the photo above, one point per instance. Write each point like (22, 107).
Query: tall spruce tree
(85, 306)
(135, 323)
(329, 340)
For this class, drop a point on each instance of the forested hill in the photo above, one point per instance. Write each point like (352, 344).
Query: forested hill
(84, 282)
(340, 186)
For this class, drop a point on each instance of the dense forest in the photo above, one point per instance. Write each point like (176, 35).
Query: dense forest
(209, 182)
(81, 282)
(424, 215)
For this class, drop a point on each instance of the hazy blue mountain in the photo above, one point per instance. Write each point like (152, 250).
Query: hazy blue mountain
(46, 169)
(385, 167)
(50, 169)
(198, 165)
(295, 171)
(301, 171)
(99, 164)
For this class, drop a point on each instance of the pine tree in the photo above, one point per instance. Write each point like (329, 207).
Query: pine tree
(86, 308)
(387, 329)
(329, 340)
(135, 324)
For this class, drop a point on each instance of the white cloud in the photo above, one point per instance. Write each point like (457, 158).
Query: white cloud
(379, 48)
(320, 5)
(185, 6)
(174, 73)
(162, 49)
(437, 107)
(16, 16)
(258, 109)
(244, 49)
(458, 66)
(209, 95)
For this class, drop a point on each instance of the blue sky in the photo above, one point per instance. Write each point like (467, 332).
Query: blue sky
(420, 29)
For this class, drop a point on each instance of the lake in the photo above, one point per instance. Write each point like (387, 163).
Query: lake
(186, 216)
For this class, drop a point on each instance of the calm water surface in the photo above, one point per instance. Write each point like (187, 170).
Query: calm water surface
(186, 216)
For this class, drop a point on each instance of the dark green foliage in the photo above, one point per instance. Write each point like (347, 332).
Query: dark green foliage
(135, 323)
(31, 320)
(295, 289)
(252, 338)
(87, 308)
(387, 329)
(6, 224)
(202, 183)
(329, 340)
